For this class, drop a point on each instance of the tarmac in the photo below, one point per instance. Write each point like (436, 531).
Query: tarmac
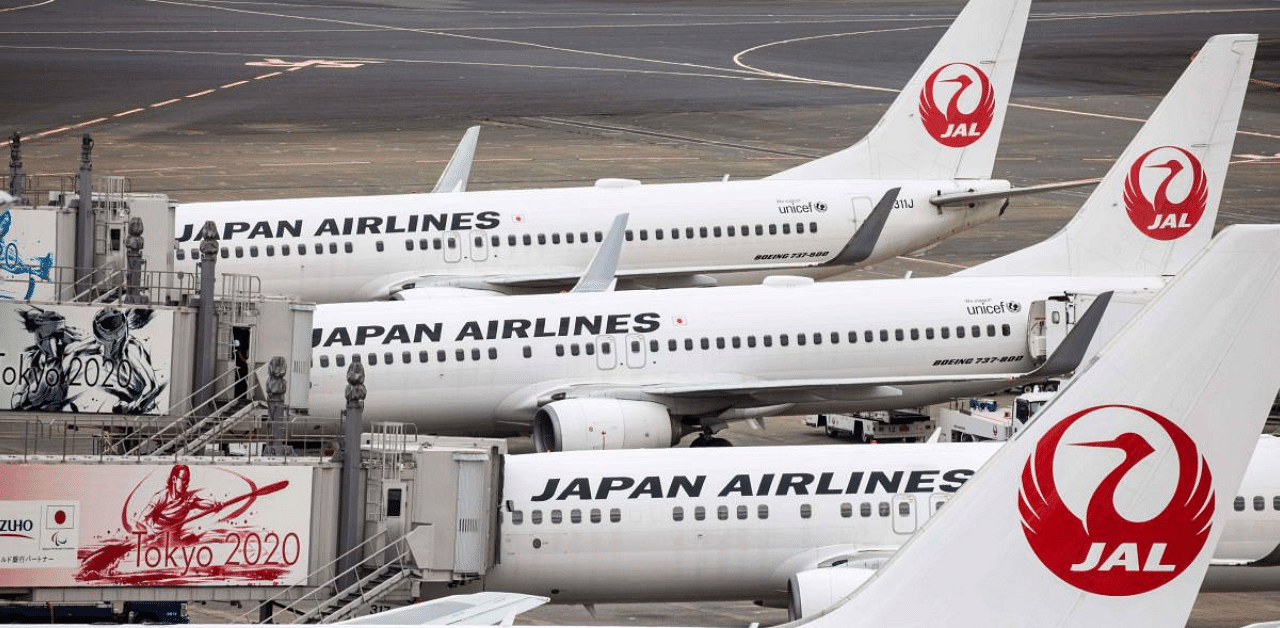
(226, 101)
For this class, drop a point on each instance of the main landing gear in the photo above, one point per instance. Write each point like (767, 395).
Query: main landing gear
(707, 440)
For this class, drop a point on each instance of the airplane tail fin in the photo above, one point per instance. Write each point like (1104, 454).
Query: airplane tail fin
(946, 122)
(1156, 207)
(1105, 510)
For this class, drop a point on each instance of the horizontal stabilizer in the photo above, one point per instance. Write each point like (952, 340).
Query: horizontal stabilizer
(964, 198)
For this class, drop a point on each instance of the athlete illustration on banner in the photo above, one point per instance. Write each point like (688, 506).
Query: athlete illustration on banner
(11, 262)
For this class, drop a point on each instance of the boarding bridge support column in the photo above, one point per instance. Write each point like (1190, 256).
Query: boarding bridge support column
(84, 219)
(133, 244)
(15, 167)
(204, 353)
(277, 386)
(349, 503)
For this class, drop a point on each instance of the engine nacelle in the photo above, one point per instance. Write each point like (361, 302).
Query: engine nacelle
(587, 424)
(813, 590)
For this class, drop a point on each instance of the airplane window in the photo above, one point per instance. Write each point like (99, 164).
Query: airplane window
(813, 227)
(511, 240)
(884, 509)
(868, 336)
(817, 338)
(378, 245)
(991, 331)
(284, 249)
(424, 244)
(688, 344)
(736, 342)
(635, 346)
(673, 345)
(1004, 330)
(786, 228)
(557, 516)
(884, 335)
(715, 231)
(938, 506)
(658, 233)
(773, 229)
(865, 509)
(835, 337)
(568, 238)
(976, 330)
(388, 358)
(759, 229)
(302, 249)
(677, 514)
(720, 342)
(535, 516)
(742, 512)
(340, 360)
(406, 357)
(606, 348)
(897, 335)
(730, 231)
(373, 359)
(423, 356)
(528, 239)
(1239, 504)
(441, 356)
(615, 515)
(784, 340)
(517, 518)
(460, 354)
(706, 344)
(653, 346)
(751, 342)
(806, 511)
(699, 513)
(746, 230)
(324, 361)
(768, 340)
(475, 353)
(853, 337)
(591, 349)
(595, 515)
(479, 241)
(702, 232)
(959, 331)
(452, 243)
(928, 333)
(493, 353)
(644, 235)
(799, 227)
(555, 238)
(575, 516)
(801, 339)
(346, 246)
(904, 509)
(574, 349)
(1259, 503)
(946, 332)
(253, 251)
(181, 254)
(762, 511)
(675, 233)
(582, 237)
(915, 333)
(239, 251)
(542, 238)
(598, 236)
(1275, 503)
(528, 351)
(846, 510)
(319, 248)
(688, 233)
(495, 240)
(333, 248)
(195, 253)
(722, 513)
(628, 235)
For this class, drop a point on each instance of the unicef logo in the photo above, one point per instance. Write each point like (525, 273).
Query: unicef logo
(1014, 306)
(820, 206)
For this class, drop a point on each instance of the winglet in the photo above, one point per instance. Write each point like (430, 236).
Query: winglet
(600, 275)
(1081, 536)
(458, 170)
(863, 243)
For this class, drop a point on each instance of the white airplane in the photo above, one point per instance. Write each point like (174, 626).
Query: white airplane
(1059, 528)
(799, 527)
(922, 174)
(642, 368)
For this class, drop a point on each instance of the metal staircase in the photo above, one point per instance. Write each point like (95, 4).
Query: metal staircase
(189, 433)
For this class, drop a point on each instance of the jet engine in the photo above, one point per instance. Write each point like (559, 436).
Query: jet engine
(586, 424)
(813, 590)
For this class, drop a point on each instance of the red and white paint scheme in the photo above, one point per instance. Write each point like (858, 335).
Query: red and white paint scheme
(951, 125)
(1153, 212)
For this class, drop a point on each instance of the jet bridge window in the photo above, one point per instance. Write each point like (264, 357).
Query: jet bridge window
(677, 513)
(884, 509)
(377, 245)
(324, 361)
(615, 515)
(743, 512)
(595, 515)
(1239, 503)
(806, 511)
(846, 510)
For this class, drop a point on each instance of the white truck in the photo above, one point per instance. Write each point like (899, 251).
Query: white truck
(973, 420)
(881, 426)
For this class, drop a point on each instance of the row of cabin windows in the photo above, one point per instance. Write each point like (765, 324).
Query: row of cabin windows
(1259, 503)
(736, 342)
(595, 515)
(527, 239)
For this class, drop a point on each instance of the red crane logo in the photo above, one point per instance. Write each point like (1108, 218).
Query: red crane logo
(1106, 553)
(1159, 217)
(953, 127)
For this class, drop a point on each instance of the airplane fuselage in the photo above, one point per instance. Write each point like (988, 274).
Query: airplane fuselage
(362, 248)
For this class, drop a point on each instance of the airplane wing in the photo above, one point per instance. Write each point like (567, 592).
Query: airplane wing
(964, 198)
(490, 608)
(458, 170)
